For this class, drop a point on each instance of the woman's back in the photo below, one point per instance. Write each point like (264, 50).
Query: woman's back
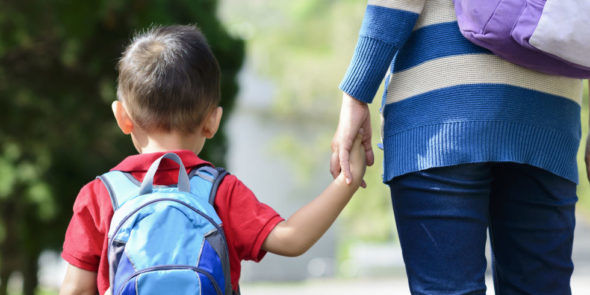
(443, 91)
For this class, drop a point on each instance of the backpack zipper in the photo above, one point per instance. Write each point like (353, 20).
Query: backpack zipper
(172, 200)
(171, 267)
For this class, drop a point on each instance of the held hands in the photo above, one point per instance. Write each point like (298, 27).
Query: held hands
(357, 162)
(354, 116)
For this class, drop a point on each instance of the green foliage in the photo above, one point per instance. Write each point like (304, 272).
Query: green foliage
(303, 46)
(57, 80)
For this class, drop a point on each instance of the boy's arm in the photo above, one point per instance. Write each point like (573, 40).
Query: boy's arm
(78, 282)
(296, 235)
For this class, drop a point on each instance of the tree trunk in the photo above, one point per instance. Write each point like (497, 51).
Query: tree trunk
(4, 275)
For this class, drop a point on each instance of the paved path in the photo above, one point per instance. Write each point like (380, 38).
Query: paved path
(389, 286)
(397, 285)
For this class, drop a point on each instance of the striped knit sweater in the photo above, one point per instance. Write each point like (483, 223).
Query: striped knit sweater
(449, 102)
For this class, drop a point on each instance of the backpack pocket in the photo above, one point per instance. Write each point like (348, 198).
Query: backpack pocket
(488, 23)
(474, 16)
(549, 36)
(170, 279)
(500, 22)
(563, 31)
(526, 23)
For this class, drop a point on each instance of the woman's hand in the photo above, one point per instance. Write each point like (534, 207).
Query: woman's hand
(354, 116)
(357, 160)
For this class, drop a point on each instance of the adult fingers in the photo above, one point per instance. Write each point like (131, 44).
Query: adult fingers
(360, 147)
(363, 184)
(369, 155)
(344, 145)
(343, 156)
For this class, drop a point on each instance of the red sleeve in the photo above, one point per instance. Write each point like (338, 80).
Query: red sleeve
(246, 221)
(88, 227)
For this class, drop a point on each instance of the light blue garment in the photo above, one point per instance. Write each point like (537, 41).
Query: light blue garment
(167, 239)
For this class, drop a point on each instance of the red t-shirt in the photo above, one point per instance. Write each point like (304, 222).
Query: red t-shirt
(246, 221)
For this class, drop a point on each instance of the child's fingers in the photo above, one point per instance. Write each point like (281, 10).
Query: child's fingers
(345, 165)
(357, 140)
(358, 150)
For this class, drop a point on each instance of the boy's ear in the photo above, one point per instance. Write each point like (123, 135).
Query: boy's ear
(211, 124)
(123, 119)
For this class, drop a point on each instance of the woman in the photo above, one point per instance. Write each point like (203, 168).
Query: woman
(471, 143)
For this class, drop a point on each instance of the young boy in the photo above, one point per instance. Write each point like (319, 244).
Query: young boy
(168, 94)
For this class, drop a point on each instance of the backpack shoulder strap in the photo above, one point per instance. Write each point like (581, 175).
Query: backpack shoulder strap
(121, 187)
(221, 173)
(211, 176)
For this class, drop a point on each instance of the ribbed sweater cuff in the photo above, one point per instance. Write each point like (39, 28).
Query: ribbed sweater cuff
(455, 143)
(366, 70)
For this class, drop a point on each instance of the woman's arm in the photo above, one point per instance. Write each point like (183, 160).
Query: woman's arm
(386, 26)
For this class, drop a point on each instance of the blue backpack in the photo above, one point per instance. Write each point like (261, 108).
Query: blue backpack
(167, 239)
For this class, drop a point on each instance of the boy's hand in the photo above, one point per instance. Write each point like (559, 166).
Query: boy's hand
(357, 160)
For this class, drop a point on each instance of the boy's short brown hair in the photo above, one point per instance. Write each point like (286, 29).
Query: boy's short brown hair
(169, 79)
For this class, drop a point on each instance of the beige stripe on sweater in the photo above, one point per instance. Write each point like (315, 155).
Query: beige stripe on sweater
(408, 5)
(476, 69)
(435, 12)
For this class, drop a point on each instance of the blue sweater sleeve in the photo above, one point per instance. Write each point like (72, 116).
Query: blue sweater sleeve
(386, 26)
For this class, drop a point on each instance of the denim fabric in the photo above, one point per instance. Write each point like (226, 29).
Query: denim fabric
(443, 214)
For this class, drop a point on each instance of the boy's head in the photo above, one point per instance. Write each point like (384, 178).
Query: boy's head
(169, 79)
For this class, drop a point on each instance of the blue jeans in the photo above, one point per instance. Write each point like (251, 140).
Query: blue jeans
(443, 214)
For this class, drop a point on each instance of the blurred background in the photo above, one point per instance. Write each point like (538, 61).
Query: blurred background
(281, 64)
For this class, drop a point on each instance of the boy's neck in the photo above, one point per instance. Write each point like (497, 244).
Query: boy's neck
(163, 142)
